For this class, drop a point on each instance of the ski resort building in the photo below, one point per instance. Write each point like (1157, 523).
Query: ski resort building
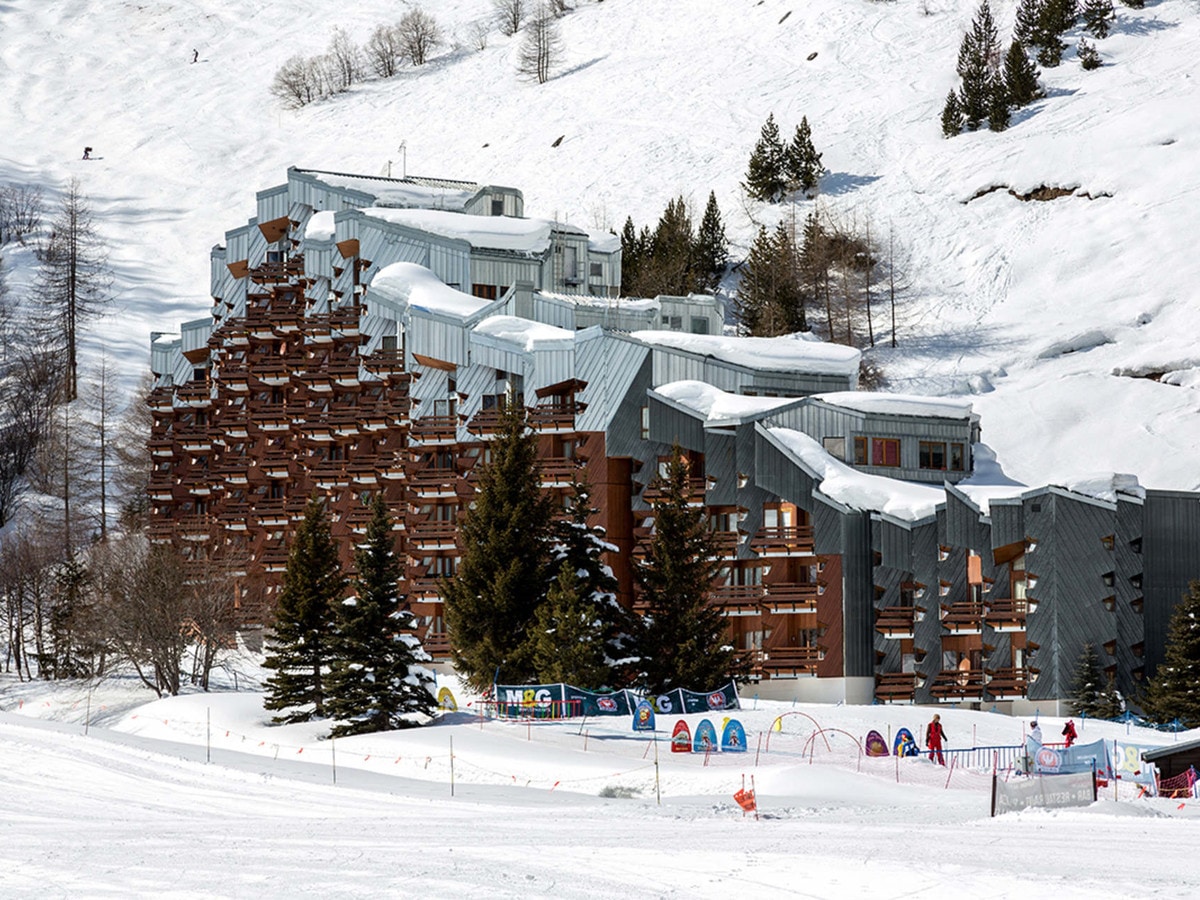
(366, 333)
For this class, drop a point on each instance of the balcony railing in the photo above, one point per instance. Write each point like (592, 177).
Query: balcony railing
(384, 362)
(895, 687)
(786, 540)
(792, 598)
(434, 430)
(898, 621)
(557, 472)
(952, 685)
(963, 617)
(433, 535)
(738, 599)
(789, 661)
(1004, 684)
(1006, 615)
(556, 417)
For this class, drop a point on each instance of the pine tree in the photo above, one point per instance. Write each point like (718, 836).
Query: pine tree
(1020, 76)
(952, 116)
(978, 60)
(765, 178)
(802, 162)
(788, 296)
(1097, 17)
(1085, 688)
(755, 288)
(631, 257)
(814, 261)
(1135, 4)
(376, 682)
(1173, 692)
(1055, 18)
(710, 252)
(502, 572)
(1089, 58)
(582, 630)
(998, 110)
(1025, 28)
(299, 648)
(669, 270)
(682, 640)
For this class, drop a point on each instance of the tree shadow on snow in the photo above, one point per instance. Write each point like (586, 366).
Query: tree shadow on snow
(1140, 27)
(843, 182)
(579, 68)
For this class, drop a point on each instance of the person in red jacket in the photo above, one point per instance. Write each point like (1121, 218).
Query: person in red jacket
(934, 735)
(1069, 732)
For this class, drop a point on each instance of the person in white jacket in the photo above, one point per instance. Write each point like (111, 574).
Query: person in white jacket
(1035, 731)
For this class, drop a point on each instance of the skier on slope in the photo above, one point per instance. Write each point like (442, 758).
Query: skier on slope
(934, 735)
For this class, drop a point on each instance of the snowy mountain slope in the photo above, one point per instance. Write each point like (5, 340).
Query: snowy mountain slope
(1046, 308)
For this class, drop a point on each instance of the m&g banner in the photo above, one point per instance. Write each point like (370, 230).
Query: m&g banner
(1070, 760)
(560, 701)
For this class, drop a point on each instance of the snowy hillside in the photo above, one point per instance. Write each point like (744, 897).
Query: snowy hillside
(1045, 310)
(133, 809)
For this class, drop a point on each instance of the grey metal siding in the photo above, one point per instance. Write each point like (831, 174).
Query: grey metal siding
(1171, 553)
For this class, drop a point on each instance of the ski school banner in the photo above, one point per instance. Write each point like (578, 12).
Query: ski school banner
(561, 701)
(1070, 760)
(1057, 791)
(681, 701)
(1127, 760)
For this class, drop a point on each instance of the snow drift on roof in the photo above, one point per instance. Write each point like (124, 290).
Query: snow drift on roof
(622, 304)
(392, 192)
(320, 226)
(419, 288)
(526, 333)
(487, 232)
(1106, 485)
(607, 242)
(717, 405)
(899, 404)
(904, 500)
(789, 353)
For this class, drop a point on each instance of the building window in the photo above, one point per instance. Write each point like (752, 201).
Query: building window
(860, 451)
(198, 373)
(835, 446)
(388, 342)
(699, 325)
(675, 323)
(885, 452)
(497, 206)
(933, 455)
(484, 291)
(957, 457)
(645, 423)
(597, 270)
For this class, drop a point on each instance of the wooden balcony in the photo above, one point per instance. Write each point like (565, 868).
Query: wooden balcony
(196, 441)
(278, 272)
(737, 599)
(436, 644)
(788, 662)
(792, 598)
(557, 473)
(485, 422)
(955, 685)
(895, 687)
(433, 483)
(271, 513)
(696, 489)
(898, 621)
(384, 363)
(235, 516)
(274, 373)
(433, 535)
(273, 557)
(273, 420)
(161, 400)
(345, 320)
(963, 617)
(364, 473)
(161, 447)
(330, 473)
(195, 527)
(791, 540)
(424, 588)
(344, 372)
(196, 394)
(1005, 615)
(555, 418)
(434, 430)
(1008, 684)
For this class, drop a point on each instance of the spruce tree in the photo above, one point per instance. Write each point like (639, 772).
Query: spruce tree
(756, 286)
(582, 630)
(1055, 18)
(1134, 4)
(300, 646)
(788, 295)
(765, 178)
(1086, 687)
(952, 116)
(632, 250)
(710, 252)
(1020, 76)
(503, 568)
(978, 59)
(802, 162)
(1173, 692)
(682, 639)
(669, 268)
(376, 682)
(1097, 17)
(1089, 58)
(998, 111)
(1025, 28)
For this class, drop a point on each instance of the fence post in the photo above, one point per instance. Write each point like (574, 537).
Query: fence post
(333, 757)
(657, 785)
(451, 765)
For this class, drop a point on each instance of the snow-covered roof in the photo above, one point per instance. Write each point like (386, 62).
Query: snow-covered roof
(905, 500)
(419, 288)
(789, 353)
(605, 242)
(320, 226)
(526, 333)
(717, 405)
(899, 404)
(401, 192)
(624, 304)
(487, 232)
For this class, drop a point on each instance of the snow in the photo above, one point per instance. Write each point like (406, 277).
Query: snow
(320, 226)
(408, 283)
(899, 404)
(526, 333)
(199, 796)
(719, 406)
(790, 353)
(490, 232)
(633, 304)
(394, 192)
(905, 500)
